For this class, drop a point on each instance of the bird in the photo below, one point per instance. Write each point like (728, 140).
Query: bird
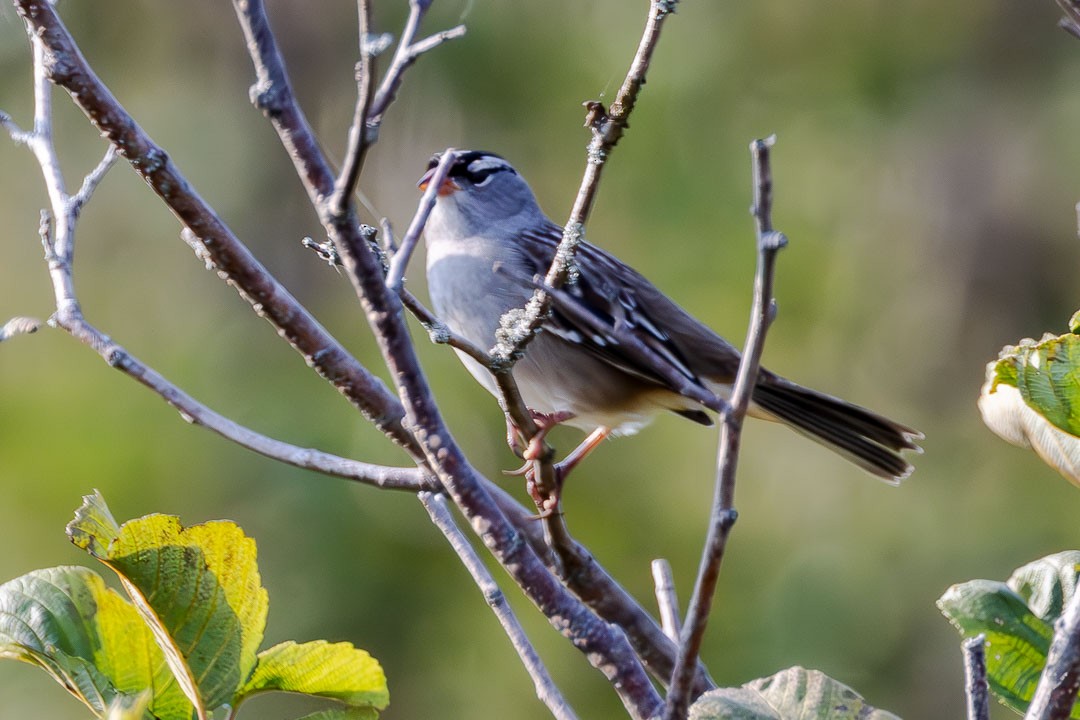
(614, 351)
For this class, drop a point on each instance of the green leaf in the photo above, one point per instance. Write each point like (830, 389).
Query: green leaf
(88, 638)
(792, 694)
(198, 588)
(93, 527)
(337, 670)
(1047, 584)
(356, 713)
(1031, 398)
(1017, 618)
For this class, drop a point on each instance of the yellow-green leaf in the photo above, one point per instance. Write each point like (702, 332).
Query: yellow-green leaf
(1017, 619)
(1031, 398)
(197, 587)
(792, 694)
(353, 713)
(89, 639)
(337, 670)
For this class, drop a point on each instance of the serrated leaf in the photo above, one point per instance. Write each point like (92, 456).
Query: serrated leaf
(88, 638)
(1017, 640)
(332, 670)
(198, 588)
(358, 713)
(792, 694)
(94, 526)
(1031, 398)
(1047, 584)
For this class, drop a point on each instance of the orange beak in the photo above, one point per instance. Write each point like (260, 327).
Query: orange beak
(448, 186)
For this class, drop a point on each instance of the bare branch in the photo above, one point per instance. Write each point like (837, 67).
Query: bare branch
(401, 258)
(65, 210)
(606, 131)
(605, 647)
(358, 136)
(769, 243)
(666, 599)
(607, 128)
(438, 331)
(66, 67)
(1071, 22)
(585, 577)
(546, 689)
(975, 685)
(18, 135)
(408, 52)
(93, 179)
(1055, 695)
(411, 479)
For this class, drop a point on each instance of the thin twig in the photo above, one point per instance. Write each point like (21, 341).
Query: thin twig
(411, 479)
(1071, 22)
(1055, 695)
(546, 689)
(408, 52)
(975, 685)
(400, 261)
(365, 87)
(607, 128)
(666, 598)
(439, 332)
(769, 243)
(93, 179)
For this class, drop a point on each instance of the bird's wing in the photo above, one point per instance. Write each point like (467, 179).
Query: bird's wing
(610, 310)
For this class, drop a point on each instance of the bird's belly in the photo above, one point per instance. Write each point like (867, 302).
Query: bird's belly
(554, 376)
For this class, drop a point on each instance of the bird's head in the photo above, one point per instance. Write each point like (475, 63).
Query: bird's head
(481, 191)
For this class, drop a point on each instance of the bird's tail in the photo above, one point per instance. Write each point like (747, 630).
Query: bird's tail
(867, 439)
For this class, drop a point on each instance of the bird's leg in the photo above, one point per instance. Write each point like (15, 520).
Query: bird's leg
(534, 448)
(579, 453)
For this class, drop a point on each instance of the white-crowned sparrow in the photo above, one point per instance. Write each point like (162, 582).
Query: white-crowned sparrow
(487, 239)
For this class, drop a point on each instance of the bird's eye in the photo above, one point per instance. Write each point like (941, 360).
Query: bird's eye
(482, 178)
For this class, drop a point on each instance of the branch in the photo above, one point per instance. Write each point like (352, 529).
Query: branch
(605, 647)
(358, 137)
(408, 52)
(975, 685)
(607, 128)
(581, 573)
(1071, 22)
(58, 235)
(546, 689)
(666, 599)
(65, 66)
(1055, 695)
(592, 584)
(396, 276)
(769, 243)
(411, 479)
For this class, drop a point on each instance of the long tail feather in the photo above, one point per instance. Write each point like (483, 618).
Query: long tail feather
(865, 438)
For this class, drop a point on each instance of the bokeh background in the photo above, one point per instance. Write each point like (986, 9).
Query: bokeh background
(926, 172)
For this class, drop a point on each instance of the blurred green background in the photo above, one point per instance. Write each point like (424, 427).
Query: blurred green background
(926, 172)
